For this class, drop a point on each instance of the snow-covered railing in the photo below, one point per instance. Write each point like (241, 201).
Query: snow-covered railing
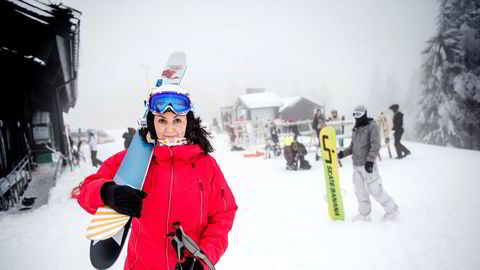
(14, 184)
(254, 133)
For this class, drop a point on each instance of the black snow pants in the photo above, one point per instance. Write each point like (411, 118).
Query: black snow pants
(400, 148)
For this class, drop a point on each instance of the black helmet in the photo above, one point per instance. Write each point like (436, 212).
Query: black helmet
(394, 107)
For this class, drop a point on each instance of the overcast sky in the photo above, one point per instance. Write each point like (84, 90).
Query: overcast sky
(315, 48)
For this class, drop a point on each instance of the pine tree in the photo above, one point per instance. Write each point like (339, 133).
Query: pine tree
(451, 87)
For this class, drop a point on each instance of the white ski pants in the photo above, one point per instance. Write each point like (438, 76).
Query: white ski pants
(367, 184)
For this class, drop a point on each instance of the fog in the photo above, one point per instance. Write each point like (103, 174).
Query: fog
(335, 52)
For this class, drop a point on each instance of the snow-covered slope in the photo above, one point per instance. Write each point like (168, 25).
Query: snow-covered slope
(282, 221)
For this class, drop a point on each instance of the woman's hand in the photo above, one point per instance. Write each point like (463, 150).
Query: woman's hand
(190, 264)
(123, 199)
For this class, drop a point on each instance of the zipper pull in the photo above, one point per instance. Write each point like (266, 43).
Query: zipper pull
(200, 183)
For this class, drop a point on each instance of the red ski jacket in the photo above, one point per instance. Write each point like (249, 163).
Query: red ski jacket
(183, 184)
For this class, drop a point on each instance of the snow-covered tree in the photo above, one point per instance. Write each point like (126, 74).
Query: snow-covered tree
(450, 103)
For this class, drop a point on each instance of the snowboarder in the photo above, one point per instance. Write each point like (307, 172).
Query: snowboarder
(364, 149)
(92, 142)
(184, 184)
(402, 151)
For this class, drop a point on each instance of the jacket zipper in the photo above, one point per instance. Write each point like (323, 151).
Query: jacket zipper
(224, 201)
(201, 200)
(169, 206)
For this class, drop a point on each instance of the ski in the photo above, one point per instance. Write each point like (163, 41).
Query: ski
(386, 132)
(108, 230)
(332, 181)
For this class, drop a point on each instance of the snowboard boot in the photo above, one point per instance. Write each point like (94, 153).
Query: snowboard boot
(361, 217)
(391, 216)
(291, 167)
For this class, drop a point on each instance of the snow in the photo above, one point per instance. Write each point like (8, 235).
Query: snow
(261, 100)
(282, 221)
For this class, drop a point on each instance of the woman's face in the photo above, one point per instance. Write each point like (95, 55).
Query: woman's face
(169, 125)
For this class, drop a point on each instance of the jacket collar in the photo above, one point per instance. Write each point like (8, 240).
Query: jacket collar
(367, 123)
(181, 152)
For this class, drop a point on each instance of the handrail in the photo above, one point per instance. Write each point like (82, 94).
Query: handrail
(62, 157)
(12, 177)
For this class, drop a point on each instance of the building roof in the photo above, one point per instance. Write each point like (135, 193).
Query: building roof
(291, 101)
(260, 100)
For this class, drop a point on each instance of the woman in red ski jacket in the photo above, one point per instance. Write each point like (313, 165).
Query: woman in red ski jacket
(184, 184)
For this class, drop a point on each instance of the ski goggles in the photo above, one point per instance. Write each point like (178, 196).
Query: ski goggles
(358, 114)
(160, 102)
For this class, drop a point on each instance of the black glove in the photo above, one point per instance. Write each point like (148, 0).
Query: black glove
(123, 199)
(340, 155)
(190, 265)
(369, 166)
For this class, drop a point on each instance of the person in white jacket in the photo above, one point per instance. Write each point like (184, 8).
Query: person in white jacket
(366, 179)
(92, 142)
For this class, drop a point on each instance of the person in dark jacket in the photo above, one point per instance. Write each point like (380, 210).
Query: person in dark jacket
(317, 124)
(128, 137)
(295, 153)
(402, 151)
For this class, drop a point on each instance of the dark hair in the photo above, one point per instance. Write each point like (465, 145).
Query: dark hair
(195, 132)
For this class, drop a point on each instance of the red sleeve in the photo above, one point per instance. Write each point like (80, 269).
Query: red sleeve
(89, 198)
(221, 213)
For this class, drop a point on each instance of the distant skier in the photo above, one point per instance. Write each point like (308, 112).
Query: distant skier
(92, 142)
(364, 149)
(386, 131)
(215, 125)
(273, 141)
(317, 124)
(339, 129)
(128, 136)
(184, 184)
(402, 151)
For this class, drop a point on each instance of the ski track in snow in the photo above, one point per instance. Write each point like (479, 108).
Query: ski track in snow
(282, 221)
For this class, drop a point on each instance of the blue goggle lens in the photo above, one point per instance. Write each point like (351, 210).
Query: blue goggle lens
(178, 103)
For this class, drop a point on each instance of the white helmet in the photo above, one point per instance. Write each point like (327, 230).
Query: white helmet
(169, 88)
(169, 96)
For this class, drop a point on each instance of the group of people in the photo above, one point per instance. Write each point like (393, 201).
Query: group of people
(319, 122)
(92, 143)
(185, 185)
